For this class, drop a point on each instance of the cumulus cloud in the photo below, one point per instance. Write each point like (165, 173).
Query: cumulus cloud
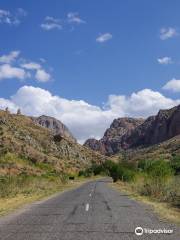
(51, 23)
(42, 76)
(166, 33)
(6, 17)
(141, 104)
(164, 60)
(8, 72)
(11, 66)
(73, 17)
(9, 57)
(104, 37)
(173, 85)
(83, 119)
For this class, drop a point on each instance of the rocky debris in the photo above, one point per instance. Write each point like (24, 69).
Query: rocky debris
(55, 126)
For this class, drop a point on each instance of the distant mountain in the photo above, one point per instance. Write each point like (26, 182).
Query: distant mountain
(128, 133)
(55, 126)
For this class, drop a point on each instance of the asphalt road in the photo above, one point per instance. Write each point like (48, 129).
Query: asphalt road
(93, 211)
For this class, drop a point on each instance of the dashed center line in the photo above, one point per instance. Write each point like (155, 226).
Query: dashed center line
(87, 207)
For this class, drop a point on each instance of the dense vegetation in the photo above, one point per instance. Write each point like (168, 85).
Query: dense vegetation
(158, 179)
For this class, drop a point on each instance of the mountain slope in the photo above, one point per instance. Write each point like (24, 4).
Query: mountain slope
(34, 144)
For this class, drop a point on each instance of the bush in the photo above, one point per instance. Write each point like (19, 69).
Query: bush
(157, 174)
(120, 172)
(175, 164)
(160, 170)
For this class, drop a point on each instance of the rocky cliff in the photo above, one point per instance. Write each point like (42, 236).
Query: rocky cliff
(111, 142)
(156, 129)
(128, 133)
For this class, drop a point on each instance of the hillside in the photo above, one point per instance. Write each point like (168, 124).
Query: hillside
(129, 133)
(165, 150)
(26, 147)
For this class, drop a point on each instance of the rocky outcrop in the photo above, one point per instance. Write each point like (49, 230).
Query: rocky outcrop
(96, 145)
(128, 133)
(111, 142)
(55, 126)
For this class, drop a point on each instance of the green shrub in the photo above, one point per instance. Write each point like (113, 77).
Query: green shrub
(160, 170)
(157, 175)
(175, 163)
(119, 172)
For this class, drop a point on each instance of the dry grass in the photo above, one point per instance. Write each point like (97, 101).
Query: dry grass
(164, 210)
(9, 204)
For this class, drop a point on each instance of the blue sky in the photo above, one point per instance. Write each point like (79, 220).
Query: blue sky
(91, 54)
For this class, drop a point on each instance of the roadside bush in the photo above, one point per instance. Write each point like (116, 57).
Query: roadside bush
(120, 172)
(175, 163)
(143, 165)
(156, 176)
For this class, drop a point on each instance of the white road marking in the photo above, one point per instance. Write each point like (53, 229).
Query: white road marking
(87, 207)
(90, 194)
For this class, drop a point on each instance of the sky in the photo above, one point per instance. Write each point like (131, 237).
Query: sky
(88, 62)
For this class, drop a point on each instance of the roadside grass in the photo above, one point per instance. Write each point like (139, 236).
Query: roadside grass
(165, 210)
(23, 181)
(33, 190)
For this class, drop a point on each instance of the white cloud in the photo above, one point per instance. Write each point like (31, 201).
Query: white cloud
(42, 76)
(51, 23)
(12, 66)
(31, 66)
(141, 104)
(6, 17)
(74, 17)
(8, 72)
(83, 119)
(8, 103)
(9, 57)
(173, 85)
(164, 60)
(166, 33)
(104, 37)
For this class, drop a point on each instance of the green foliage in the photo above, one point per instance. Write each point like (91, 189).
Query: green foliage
(160, 170)
(175, 164)
(156, 176)
(144, 164)
(122, 172)
(118, 171)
